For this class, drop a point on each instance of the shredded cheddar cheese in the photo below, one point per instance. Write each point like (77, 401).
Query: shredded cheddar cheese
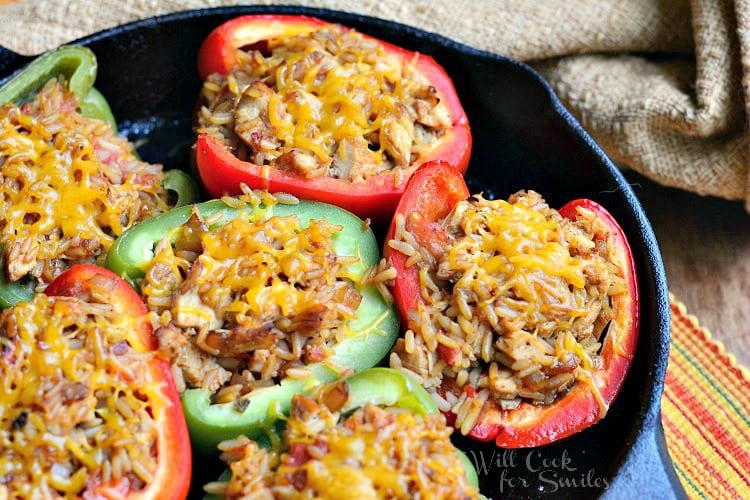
(271, 269)
(78, 406)
(70, 186)
(330, 102)
(373, 453)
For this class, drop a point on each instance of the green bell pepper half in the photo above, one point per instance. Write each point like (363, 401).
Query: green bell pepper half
(77, 64)
(370, 334)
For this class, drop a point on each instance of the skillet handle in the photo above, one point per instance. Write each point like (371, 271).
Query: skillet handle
(649, 471)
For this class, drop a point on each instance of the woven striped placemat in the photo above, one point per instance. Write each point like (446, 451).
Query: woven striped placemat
(706, 412)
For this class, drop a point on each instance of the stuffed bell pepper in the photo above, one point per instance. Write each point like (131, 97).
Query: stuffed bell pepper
(89, 409)
(522, 319)
(299, 105)
(70, 184)
(258, 298)
(374, 434)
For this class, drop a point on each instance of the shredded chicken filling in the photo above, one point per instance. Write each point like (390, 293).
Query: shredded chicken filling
(69, 184)
(326, 103)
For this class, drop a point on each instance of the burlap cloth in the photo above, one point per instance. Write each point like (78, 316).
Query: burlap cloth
(662, 85)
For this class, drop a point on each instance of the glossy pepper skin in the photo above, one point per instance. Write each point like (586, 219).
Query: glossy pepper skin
(221, 172)
(374, 328)
(78, 66)
(432, 192)
(172, 478)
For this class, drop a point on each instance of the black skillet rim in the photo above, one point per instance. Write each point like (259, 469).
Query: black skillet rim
(647, 448)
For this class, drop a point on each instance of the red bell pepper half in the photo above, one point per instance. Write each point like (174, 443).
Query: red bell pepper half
(221, 172)
(432, 192)
(174, 460)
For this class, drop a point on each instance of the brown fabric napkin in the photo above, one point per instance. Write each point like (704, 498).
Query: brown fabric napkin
(662, 85)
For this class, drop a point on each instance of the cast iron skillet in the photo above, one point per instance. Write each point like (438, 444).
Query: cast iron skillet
(523, 139)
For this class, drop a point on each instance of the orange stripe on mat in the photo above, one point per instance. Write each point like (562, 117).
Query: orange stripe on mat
(685, 463)
(706, 412)
(697, 339)
(680, 372)
(712, 440)
(722, 372)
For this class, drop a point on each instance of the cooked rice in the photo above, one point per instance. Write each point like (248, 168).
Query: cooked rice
(70, 186)
(372, 453)
(381, 276)
(516, 306)
(325, 103)
(78, 405)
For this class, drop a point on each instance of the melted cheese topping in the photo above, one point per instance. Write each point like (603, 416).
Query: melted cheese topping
(373, 453)
(508, 243)
(525, 261)
(69, 185)
(337, 101)
(271, 269)
(78, 403)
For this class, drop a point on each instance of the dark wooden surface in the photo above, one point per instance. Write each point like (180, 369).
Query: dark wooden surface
(705, 243)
